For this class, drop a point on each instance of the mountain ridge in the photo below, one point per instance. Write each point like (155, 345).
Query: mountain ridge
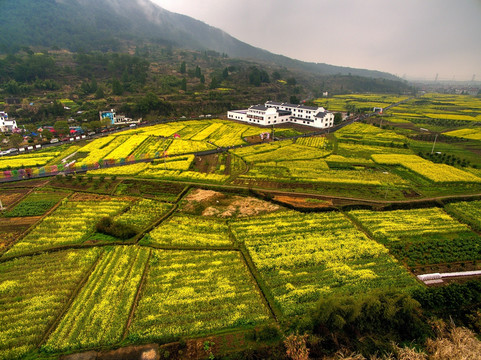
(105, 25)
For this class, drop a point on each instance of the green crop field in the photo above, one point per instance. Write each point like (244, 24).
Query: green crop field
(423, 236)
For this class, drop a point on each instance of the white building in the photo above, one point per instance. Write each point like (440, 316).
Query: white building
(272, 113)
(5, 123)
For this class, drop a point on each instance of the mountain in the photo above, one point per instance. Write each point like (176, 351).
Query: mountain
(110, 24)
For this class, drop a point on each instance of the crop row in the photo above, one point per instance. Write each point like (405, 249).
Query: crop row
(98, 315)
(185, 230)
(317, 172)
(180, 146)
(196, 292)
(281, 151)
(36, 204)
(468, 212)
(427, 169)
(314, 141)
(143, 213)
(127, 147)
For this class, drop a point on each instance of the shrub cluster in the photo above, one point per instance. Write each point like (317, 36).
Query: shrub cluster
(119, 230)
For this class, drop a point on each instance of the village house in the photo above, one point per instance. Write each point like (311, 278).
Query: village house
(272, 113)
(6, 124)
(116, 119)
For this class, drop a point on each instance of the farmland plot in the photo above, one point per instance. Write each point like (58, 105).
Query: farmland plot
(185, 230)
(191, 293)
(33, 291)
(98, 316)
(301, 257)
(467, 212)
(36, 204)
(421, 236)
(69, 224)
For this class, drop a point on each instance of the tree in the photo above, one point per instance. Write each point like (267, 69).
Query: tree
(198, 72)
(61, 127)
(152, 103)
(276, 75)
(291, 81)
(99, 94)
(47, 135)
(183, 68)
(214, 83)
(15, 140)
(202, 79)
(257, 77)
(105, 122)
(117, 88)
(183, 84)
(294, 100)
(225, 73)
(337, 118)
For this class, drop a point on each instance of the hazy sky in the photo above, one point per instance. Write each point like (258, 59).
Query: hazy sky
(412, 38)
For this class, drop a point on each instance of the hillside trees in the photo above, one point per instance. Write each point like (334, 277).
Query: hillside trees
(257, 77)
(151, 103)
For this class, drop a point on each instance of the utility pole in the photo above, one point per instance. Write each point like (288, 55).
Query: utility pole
(434, 143)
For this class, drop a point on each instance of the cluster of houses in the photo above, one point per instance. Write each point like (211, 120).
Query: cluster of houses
(272, 113)
(6, 124)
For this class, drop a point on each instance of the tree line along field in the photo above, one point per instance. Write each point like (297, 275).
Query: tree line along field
(188, 274)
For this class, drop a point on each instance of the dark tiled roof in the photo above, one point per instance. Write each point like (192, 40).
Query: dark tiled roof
(321, 114)
(258, 107)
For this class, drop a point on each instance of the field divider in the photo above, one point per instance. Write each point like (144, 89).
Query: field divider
(192, 248)
(183, 193)
(112, 193)
(31, 227)
(152, 226)
(16, 202)
(366, 232)
(259, 283)
(73, 296)
(137, 297)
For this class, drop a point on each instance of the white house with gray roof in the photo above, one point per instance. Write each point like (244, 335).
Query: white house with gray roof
(5, 123)
(272, 113)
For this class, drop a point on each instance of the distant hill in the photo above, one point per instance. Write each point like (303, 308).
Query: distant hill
(111, 24)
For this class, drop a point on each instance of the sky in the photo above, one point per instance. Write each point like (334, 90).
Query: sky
(415, 39)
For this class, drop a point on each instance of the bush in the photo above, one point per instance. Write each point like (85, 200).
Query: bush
(121, 231)
(268, 333)
(378, 319)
